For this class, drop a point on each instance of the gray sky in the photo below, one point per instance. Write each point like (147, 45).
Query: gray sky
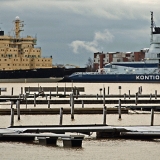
(72, 30)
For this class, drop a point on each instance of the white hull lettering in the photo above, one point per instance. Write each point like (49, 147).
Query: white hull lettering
(147, 77)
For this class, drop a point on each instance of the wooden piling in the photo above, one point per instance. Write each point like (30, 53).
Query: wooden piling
(70, 99)
(97, 96)
(72, 107)
(18, 109)
(50, 95)
(124, 96)
(141, 89)
(108, 90)
(48, 103)
(129, 94)
(61, 116)
(65, 89)
(152, 116)
(34, 99)
(119, 87)
(104, 94)
(12, 91)
(57, 90)
(136, 101)
(100, 91)
(150, 96)
(26, 99)
(119, 109)
(155, 94)
(104, 115)
(76, 90)
(82, 104)
(0, 91)
(12, 117)
(12, 104)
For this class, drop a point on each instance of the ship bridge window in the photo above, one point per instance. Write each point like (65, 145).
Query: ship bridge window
(108, 66)
(158, 55)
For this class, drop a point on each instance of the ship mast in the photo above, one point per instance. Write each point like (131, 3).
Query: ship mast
(152, 26)
(18, 27)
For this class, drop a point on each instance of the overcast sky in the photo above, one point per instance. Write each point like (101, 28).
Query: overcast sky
(72, 30)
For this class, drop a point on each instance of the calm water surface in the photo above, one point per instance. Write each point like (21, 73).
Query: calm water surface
(91, 148)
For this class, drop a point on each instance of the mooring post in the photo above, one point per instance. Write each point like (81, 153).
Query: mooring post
(119, 90)
(104, 94)
(77, 93)
(152, 116)
(57, 90)
(61, 116)
(82, 104)
(0, 91)
(65, 89)
(12, 117)
(12, 91)
(12, 104)
(70, 100)
(97, 96)
(136, 101)
(124, 96)
(155, 94)
(104, 115)
(100, 91)
(26, 99)
(49, 103)
(141, 89)
(18, 109)
(50, 95)
(129, 94)
(72, 106)
(119, 108)
(150, 96)
(108, 90)
(34, 99)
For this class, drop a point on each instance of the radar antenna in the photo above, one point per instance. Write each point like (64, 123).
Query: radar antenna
(152, 26)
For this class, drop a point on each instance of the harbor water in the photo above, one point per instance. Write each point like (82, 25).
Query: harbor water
(116, 149)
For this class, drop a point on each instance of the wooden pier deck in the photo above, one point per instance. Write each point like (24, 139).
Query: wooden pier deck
(36, 111)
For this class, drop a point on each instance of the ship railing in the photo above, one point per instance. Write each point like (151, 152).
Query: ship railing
(89, 73)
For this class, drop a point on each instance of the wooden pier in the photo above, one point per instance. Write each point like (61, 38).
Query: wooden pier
(52, 111)
(48, 134)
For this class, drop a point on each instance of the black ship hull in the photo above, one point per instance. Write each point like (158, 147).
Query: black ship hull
(38, 74)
